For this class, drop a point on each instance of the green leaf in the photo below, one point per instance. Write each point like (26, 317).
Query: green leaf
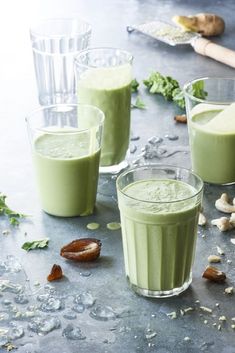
(170, 89)
(197, 90)
(178, 97)
(36, 244)
(5, 210)
(134, 86)
(139, 104)
(14, 221)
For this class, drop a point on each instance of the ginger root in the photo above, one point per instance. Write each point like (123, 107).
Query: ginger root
(207, 24)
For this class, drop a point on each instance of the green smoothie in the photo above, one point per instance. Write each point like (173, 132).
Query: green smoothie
(109, 88)
(159, 229)
(212, 142)
(67, 173)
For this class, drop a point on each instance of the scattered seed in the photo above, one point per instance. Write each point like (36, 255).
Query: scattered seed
(222, 318)
(229, 290)
(205, 309)
(233, 326)
(232, 241)
(214, 258)
(36, 284)
(114, 225)
(229, 262)
(187, 339)
(197, 301)
(219, 327)
(93, 226)
(172, 315)
(220, 251)
(149, 336)
(6, 232)
(217, 304)
(214, 324)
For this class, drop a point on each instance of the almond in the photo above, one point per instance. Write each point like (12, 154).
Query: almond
(83, 249)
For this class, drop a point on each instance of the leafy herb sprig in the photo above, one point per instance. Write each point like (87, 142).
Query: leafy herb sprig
(139, 103)
(36, 244)
(13, 216)
(170, 89)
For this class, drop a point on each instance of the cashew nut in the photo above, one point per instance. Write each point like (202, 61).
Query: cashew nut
(223, 205)
(222, 223)
(202, 219)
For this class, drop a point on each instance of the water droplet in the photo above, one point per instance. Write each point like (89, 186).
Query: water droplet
(155, 140)
(44, 325)
(70, 315)
(15, 332)
(133, 148)
(103, 313)
(85, 273)
(51, 305)
(3, 340)
(79, 308)
(135, 138)
(85, 298)
(114, 225)
(6, 302)
(93, 226)
(21, 299)
(172, 137)
(72, 332)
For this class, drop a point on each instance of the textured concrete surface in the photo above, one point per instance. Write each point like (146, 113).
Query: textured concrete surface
(137, 316)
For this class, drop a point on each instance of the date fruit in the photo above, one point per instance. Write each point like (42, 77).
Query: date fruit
(83, 249)
(213, 274)
(56, 273)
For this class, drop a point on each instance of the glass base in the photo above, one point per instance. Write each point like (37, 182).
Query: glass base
(158, 293)
(114, 169)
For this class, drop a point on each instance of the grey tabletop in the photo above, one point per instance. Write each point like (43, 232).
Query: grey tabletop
(130, 323)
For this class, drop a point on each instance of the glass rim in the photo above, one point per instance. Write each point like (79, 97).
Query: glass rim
(34, 32)
(159, 167)
(205, 78)
(29, 117)
(87, 50)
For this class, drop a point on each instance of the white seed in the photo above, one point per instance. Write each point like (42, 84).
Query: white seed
(220, 251)
(205, 309)
(214, 258)
(172, 315)
(93, 226)
(229, 290)
(222, 318)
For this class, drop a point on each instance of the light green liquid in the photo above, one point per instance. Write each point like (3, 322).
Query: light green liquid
(159, 239)
(109, 89)
(67, 174)
(212, 143)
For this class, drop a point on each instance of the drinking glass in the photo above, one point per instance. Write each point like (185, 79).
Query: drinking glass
(55, 43)
(66, 140)
(159, 207)
(104, 78)
(211, 126)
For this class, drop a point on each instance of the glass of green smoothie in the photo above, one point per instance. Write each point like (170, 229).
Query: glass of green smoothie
(159, 207)
(104, 78)
(211, 126)
(66, 140)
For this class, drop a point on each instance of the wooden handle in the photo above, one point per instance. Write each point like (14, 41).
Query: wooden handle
(207, 48)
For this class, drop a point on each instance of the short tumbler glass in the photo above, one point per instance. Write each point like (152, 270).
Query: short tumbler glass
(211, 126)
(66, 141)
(159, 207)
(104, 78)
(55, 43)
